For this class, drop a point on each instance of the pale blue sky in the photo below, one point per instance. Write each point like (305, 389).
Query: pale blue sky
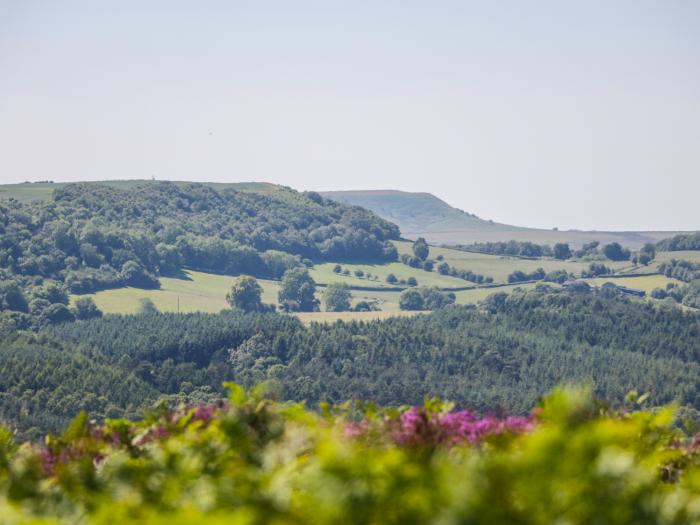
(572, 114)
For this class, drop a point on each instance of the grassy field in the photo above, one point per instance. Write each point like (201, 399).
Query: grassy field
(687, 255)
(205, 292)
(331, 317)
(323, 274)
(198, 292)
(479, 294)
(644, 282)
(499, 267)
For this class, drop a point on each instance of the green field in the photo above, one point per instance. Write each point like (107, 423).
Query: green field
(198, 292)
(479, 294)
(499, 267)
(644, 282)
(331, 317)
(323, 274)
(686, 255)
(205, 292)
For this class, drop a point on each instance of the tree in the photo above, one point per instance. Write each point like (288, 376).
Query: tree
(411, 300)
(134, 274)
(359, 273)
(11, 297)
(615, 252)
(391, 279)
(562, 251)
(147, 306)
(364, 306)
(337, 268)
(57, 313)
(421, 249)
(85, 308)
(337, 297)
(298, 291)
(411, 281)
(428, 265)
(647, 254)
(434, 299)
(443, 268)
(245, 295)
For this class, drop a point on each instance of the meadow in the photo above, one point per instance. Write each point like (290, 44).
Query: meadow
(642, 282)
(499, 267)
(195, 291)
(206, 292)
(323, 274)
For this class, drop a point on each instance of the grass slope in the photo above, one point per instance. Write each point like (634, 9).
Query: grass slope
(323, 274)
(424, 215)
(644, 282)
(205, 292)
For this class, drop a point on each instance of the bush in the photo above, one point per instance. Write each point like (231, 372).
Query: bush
(572, 461)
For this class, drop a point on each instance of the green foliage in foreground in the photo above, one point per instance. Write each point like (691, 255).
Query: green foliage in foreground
(253, 460)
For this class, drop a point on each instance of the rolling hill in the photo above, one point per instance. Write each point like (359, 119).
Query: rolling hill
(31, 191)
(424, 215)
(416, 214)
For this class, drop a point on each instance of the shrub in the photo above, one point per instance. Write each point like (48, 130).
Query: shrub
(253, 460)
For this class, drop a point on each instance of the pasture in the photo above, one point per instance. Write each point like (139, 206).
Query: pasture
(331, 317)
(323, 274)
(479, 294)
(499, 267)
(195, 292)
(643, 282)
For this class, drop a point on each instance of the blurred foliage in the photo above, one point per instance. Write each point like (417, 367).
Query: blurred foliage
(255, 460)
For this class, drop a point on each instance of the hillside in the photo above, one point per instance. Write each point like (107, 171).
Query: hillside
(424, 215)
(416, 214)
(42, 191)
(90, 237)
(502, 356)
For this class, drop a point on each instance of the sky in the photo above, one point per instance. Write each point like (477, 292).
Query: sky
(548, 114)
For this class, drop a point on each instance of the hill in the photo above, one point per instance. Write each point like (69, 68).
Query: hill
(416, 214)
(424, 215)
(43, 191)
(90, 237)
